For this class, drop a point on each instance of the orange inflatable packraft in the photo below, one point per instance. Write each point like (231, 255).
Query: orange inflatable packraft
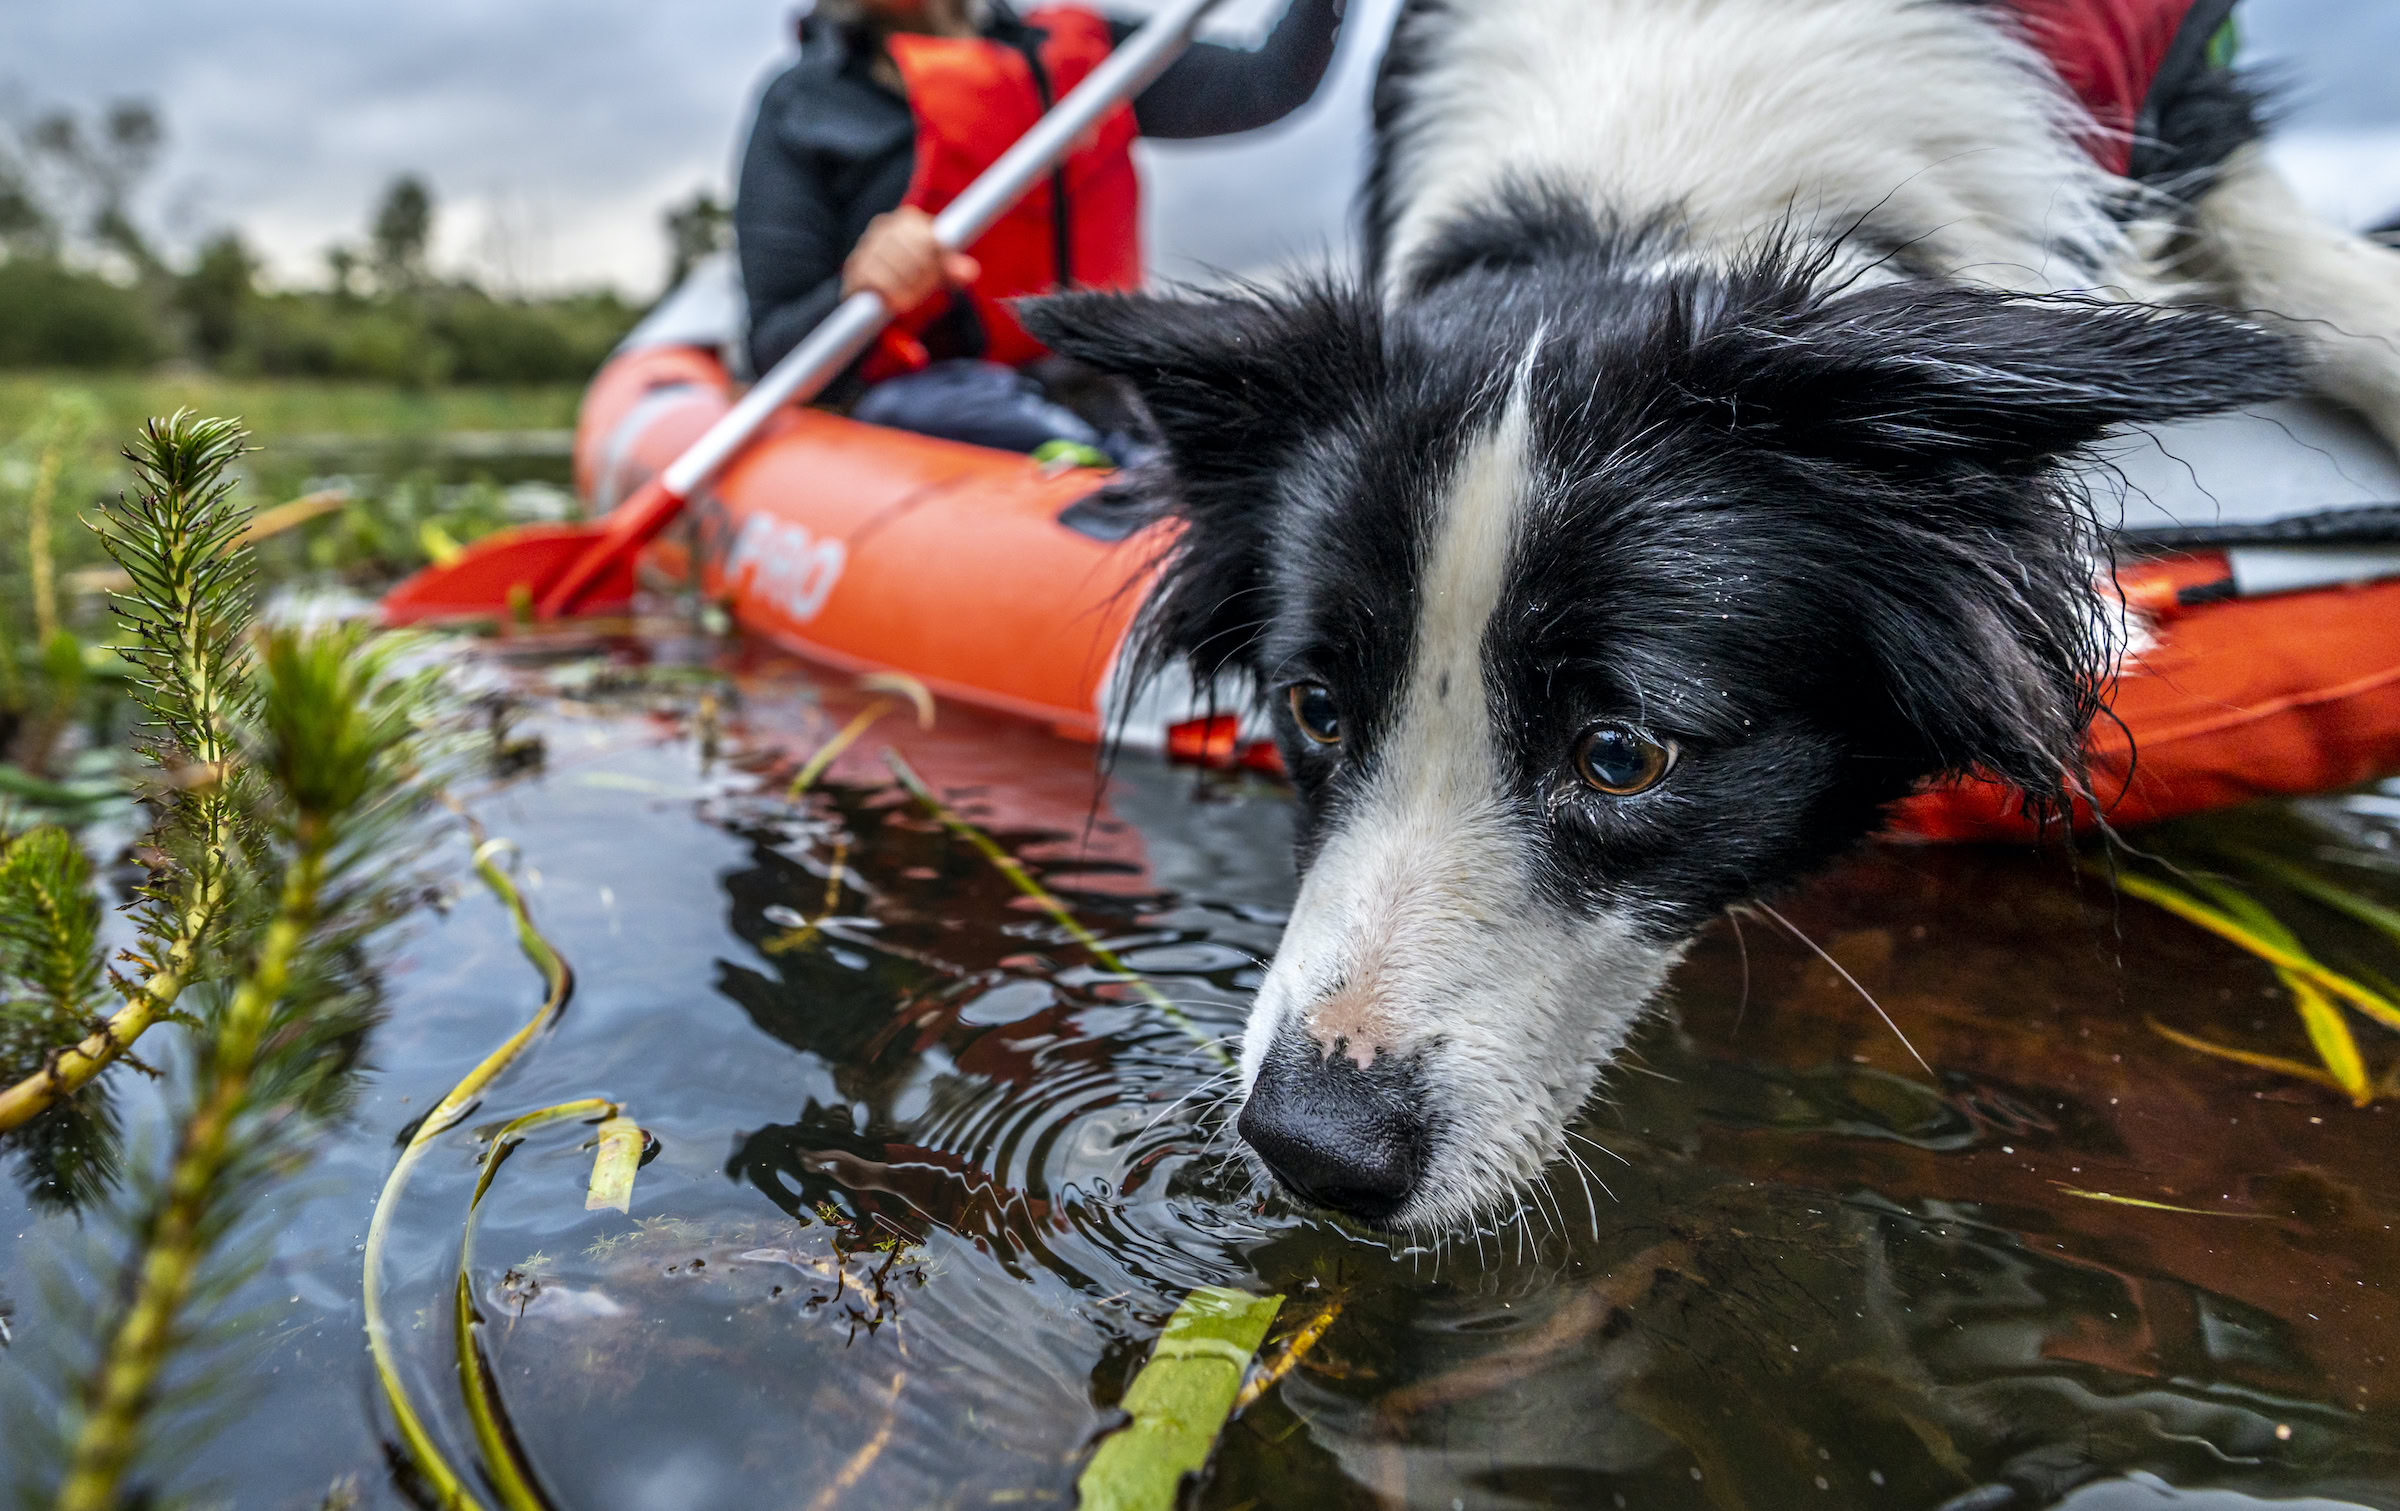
(2273, 663)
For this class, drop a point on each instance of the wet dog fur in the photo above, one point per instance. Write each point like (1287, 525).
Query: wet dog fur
(1692, 474)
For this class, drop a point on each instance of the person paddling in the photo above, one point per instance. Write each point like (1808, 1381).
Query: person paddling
(892, 109)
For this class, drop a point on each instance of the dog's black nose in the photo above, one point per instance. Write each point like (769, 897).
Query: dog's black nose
(1343, 1137)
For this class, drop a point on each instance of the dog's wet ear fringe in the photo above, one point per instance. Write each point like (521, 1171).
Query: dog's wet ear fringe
(1234, 382)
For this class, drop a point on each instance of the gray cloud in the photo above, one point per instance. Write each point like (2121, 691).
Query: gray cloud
(554, 131)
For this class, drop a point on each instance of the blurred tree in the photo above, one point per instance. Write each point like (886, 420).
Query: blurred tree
(96, 173)
(26, 229)
(215, 295)
(402, 230)
(696, 228)
(341, 267)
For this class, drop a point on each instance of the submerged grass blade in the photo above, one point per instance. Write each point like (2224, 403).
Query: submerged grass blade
(1178, 1402)
(2298, 1069)
(448, 1488)
(511, 1476)
(614, 1166)
(2191, 910)
(1023, 880)
(2330, 1033)
(2115, 1200)
(898, 684)
(2339, 898)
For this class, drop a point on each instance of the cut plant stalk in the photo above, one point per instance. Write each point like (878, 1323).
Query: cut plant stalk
(1295, 1349)
(1179, 1402)
(1023, 880)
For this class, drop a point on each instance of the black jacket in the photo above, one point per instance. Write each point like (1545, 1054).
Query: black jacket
(831, 149)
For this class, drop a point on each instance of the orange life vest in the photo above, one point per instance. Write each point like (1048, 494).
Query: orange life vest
(1079, 228)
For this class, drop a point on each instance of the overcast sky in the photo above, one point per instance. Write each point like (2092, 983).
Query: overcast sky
(554, 131)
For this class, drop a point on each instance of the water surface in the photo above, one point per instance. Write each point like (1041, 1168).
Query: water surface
(929, 1180)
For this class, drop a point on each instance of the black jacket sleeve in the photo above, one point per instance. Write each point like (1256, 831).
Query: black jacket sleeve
(1214, 90)
(826, 154)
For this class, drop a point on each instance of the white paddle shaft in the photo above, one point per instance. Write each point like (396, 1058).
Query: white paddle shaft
(859, 319)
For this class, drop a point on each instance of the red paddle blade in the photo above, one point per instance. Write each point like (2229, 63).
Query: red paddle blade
(506, 574)
(630, 526)
(540, 571)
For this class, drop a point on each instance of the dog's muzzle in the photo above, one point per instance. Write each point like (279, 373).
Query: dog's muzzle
(1344, 1137)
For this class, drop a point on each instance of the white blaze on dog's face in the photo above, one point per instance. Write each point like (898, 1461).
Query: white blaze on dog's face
(1472, 1010)
(1590, 597)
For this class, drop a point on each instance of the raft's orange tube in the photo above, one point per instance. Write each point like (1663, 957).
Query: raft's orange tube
(872, 549)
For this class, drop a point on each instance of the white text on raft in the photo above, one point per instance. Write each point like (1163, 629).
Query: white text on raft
(788, 566)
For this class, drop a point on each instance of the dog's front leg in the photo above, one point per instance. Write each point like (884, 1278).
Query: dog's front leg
(2336, 292)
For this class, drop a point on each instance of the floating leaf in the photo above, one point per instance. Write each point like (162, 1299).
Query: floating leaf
(1178, 1402)
(614, 1166)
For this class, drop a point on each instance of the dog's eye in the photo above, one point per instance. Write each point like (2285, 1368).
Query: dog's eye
(1621, 761)
(1314, 711)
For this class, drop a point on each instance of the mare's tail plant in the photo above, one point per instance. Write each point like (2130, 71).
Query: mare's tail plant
(292, 768)
(187, 614)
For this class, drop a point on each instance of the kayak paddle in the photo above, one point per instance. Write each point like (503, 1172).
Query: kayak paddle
(557, 570)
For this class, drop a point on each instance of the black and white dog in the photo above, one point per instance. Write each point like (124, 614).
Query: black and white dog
(1691, 478)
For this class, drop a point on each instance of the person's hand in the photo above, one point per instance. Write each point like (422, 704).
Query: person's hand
(899, 259)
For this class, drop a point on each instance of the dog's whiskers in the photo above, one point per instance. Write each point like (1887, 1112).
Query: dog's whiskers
(1842, 972)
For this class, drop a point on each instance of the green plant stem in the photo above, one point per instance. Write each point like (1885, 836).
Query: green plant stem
(510, 1475)
(41, 560)
(448, 1488)
(72, 1068)
(175, 1244)
(1023, 880)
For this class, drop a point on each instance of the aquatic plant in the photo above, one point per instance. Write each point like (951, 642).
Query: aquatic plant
(291, 769)
(187, 610)
(2319, 993)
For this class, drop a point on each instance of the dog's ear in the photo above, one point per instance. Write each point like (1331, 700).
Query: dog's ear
(1937, 376)
(1937, 428)
(1235, 383)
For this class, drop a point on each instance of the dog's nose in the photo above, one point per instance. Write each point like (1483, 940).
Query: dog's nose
(1340, 1136)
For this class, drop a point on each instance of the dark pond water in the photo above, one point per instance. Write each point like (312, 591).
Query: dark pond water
(929, 1181)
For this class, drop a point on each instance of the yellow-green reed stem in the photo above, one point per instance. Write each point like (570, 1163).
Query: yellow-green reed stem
(2191, 910)
(447, 1487)
(2341, 899)
(173, 1248)
(831, 750)
(1023, 880)
(510, 1475)
(40, 559)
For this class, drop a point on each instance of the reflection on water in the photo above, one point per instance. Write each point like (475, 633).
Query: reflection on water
(931, 1182)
